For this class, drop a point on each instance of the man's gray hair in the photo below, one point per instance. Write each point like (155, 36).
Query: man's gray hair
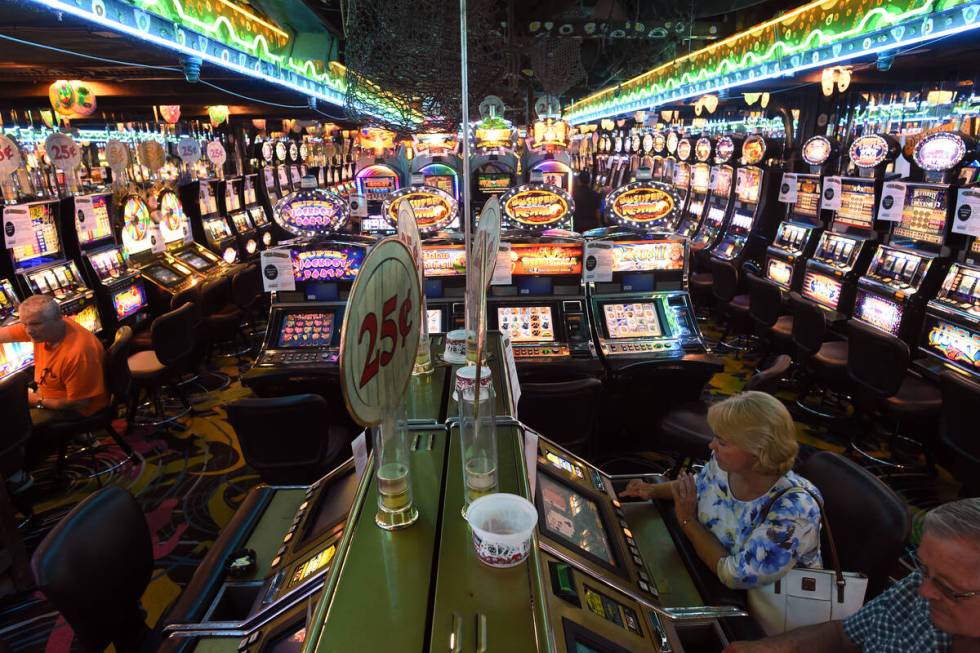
(44, 303)
(957, 519)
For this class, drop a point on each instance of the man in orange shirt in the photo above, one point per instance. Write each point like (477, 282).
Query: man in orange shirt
(68, 363)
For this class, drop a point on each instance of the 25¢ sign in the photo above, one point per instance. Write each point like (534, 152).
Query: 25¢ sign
(381, 332)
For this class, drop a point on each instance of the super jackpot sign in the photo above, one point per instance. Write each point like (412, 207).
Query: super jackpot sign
(645, 204)
(434, 208)
(537, 207)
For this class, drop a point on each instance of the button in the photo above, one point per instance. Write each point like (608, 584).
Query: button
(243, 644)
(565, 583)
(628, 533)
(254, 637)
(275, 561)
(622, 522)
(644, 586)
(637, 560)
(643, 576)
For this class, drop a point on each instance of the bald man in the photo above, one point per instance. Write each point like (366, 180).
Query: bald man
(68, 362)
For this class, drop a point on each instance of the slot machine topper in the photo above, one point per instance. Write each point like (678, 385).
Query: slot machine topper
(699, 188)
(721, 187)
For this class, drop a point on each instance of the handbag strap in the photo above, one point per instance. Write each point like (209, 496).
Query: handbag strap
(834, 558)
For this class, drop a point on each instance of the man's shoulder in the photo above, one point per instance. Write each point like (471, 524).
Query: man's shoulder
(83, 342)
(897, 615)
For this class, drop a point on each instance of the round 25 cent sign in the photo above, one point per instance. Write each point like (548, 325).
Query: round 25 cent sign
(381, 330)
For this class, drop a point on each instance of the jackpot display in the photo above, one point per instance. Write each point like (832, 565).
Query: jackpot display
(643, 203)
(546, 258)
(327, 264)
(642, 256)
(536, 207)
(311, 212)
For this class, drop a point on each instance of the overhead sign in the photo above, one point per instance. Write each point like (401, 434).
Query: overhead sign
(10, 158)
(216, 153)
(434, 208)
(643, 203)
(537, 206)
(63, 151)
(188, 149)
(381, 332)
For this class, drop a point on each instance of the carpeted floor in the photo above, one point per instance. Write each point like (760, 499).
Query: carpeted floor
(189, 483)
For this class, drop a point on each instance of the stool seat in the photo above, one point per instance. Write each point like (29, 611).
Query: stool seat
(685, 430)
(142, 340)
(783, 328)
(740, 303)
(701, 280)
(832, 354)
(227, 313)
(145, 364)
(916, 396)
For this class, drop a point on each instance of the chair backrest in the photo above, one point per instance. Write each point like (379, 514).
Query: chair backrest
(187, 295)
(958, 421)
(869, 521)
(16, 423)
(172, 334)
(564, 411)
(246, 286)
(876, 361)
(95, 565)
(725, 276)
(118, 378)
(765, 301)
(215, 295)
(809, 327)
(768, 377)
(283, 438)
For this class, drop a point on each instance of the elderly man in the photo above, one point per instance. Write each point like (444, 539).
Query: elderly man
(68, 363)
(936, 608)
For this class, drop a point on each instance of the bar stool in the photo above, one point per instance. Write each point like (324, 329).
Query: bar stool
(173, 344)
(958, 429)
(246, 291)
(222, 317)
(822, 364)
(564, 411)
(765, 306)
(14, 436)
(700, 284)
(877, 364)
(732, 307)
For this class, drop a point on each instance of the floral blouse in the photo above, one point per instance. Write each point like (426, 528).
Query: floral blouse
(759, 552)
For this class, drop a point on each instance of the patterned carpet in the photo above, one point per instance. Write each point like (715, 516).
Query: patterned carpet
(189, 483)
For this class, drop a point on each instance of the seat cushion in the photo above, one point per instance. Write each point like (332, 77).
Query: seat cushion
(916, 396)
(783, 328)
(145, 364)
(701, 280)
(740, 303)
(684, 430)
(142, 340)
(832, 354)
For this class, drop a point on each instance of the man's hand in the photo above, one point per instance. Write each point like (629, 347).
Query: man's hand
(685, 497)
(32, 398)
(639, 489)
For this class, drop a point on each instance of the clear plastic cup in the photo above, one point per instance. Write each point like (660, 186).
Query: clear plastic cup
(502, 525)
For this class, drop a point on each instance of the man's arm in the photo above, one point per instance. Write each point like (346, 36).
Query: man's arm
(822, 638)
(14, 333)
(56, 403)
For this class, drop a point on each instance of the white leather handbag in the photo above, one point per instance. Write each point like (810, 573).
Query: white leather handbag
(804, 597)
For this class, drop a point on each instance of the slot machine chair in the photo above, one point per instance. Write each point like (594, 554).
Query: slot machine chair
(565, 411)
(958, 429)
(15, 435)
(821, 363)
(684, 431)
(94, 566)
(173, 345)
(222, 317)
(733, 308)
(246, 294)
(870, 522)
(700, 284)
(305, 444)
(877, 364)
(765, 309)
(119, 383)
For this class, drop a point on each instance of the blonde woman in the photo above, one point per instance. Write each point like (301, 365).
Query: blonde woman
(723, 509)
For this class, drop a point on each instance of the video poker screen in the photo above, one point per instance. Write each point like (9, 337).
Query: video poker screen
(573, 519)
(880, 312)
(305, 329)
(526, 323)
(635, 320)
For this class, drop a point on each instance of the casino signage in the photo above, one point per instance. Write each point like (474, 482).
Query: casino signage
(940, 151)
(311, 212)
(537, 259)
(869, 151)
(643, 203)
(339, 263)
(753, 149)
(434, 208)
(956, 344)
(537, 206)
(817, 150)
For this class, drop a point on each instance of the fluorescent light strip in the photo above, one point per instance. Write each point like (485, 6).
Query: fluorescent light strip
(647, 105)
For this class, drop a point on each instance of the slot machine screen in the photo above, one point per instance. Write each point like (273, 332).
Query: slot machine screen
(924, 215)
(749, 184)
(375, 188)
(780, 272)
(433, 318)
(217, 229)
(857, 208)
(305, 329)
(129, 300)
(194, 260)
(88, 230)
(807, 197)
(879, 312)
(289, 640)
(954, 344)
(741, 223)
(47, 243)
(336, 264)
(332, 507)
(258, 216)
(445, 183)
(448, 261)
(835, 248)
(682, 175)
(559, 179)
(790, 236)
(162, 275)
(88, 317)
(896, 265)
(636, 320)
(546, 259)
(570, 517)
(642, 256)
(822, 289)
(242, 222)
(493, 183)
(526, 323)
(961, 286)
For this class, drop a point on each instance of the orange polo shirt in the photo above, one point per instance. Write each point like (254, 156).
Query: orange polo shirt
(72, 369)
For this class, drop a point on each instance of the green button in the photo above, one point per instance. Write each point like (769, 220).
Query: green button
(566, 582)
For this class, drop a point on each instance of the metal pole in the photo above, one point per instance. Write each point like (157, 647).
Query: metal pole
(465, 94)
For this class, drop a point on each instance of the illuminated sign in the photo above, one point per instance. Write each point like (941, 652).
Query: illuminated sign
(311, 212)
(879, 312)
(433, 144)
(376, 139)
(553, 133)
(173, 222)
(434, 208)
(537, 206)
(956, 344)
(494, 133)
(817, 150)
(753, 149)
(340, 263)
(868, 151)
(648, 143)
(541, 259)
(725, 149)
(643, 203)
(940, 151)
(684, 149)
(672, 139)
(700, 178)
(702, 149)
(281, 151)
(641, 256)
(659, 142)
(447, 261)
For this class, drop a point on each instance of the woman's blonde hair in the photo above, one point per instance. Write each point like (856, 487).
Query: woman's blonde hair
(758, 423)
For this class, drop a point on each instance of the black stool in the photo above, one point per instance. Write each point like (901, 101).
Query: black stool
(15, 434)
(765, 307)
(732, 307)
(958, 429)
(564, 411)
(822, 364)
(173, 344)
(94, 567)
(289, 440)
(246, 291)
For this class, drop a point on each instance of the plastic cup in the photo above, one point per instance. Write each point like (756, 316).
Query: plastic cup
(502, 525)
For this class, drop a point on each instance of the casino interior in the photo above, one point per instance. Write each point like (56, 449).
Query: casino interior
(377, 382)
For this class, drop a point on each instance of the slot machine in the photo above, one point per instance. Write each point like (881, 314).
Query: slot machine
(797, 235)
(682, 175)
(721, 195)
(436, 211)
(301, 346)
(492, 175)
(86, 222)
(294, 165)
(14, 356)
(950, 336)
(658, 150)
(284, 182)
(144, 248)
(42, 267)
(375, 181)
(700, 179)
(231, 194)
(256, 211)
(670, 158)
(209, 224)
(906, 272)
(556, 171)
(845, 248)
(268, 189)
(178, 237)
(753, 220)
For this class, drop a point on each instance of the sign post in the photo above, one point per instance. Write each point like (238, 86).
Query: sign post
(408, 233)
(378, 345)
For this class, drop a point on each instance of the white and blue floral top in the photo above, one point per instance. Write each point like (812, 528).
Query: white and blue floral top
(759, 552)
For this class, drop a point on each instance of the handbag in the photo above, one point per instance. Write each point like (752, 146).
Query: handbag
(805, 597)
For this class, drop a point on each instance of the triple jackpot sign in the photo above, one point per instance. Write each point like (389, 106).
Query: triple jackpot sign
(643, 204)
(537, 207)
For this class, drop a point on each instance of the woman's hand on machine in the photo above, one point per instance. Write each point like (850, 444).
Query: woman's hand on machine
(637, 488)
(685, 497)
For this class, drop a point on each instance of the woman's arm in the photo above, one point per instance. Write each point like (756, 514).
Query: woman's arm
(706, 545)
(641, 490)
